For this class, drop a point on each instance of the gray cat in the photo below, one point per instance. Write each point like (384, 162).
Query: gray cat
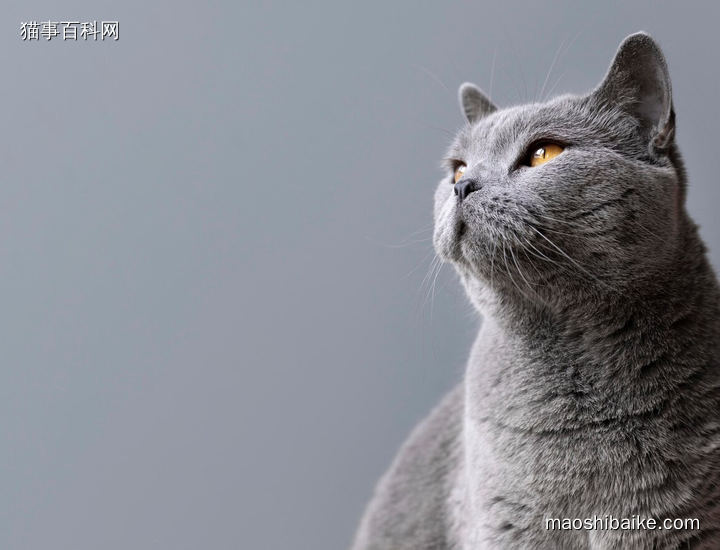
(592, 392)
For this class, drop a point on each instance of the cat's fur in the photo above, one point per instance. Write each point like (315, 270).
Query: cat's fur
(593, 387)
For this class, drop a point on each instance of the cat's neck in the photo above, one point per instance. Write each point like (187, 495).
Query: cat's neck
(685, 286)
(612, 352)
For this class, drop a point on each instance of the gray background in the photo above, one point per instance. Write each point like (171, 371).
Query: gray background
(213, 240)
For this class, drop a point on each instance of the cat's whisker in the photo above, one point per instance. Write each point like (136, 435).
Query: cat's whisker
(580, 267)
(423, 289)
(428, 227)
(431, 269)
(519, 64)
(522, 276)
(434, 77)
(541, 256)
(432, 296)
(578, 234)
(529, 260)
(445, 131)
(492, 73)
(582, 228)
(429, 279)
(557, 248)
(408, 243)
(539, 253)
(566, 48)
(569, 223)
(552, 89)
(414, 269)
(507, 270)
(648, 231)
(492, 262)
(552, 66)
(520, 271)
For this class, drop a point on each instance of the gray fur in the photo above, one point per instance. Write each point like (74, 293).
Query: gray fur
(593, 387)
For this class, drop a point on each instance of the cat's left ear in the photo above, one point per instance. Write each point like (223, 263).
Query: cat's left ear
(474, 103)
(638, 81)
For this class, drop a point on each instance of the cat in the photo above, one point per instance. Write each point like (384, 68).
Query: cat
(592, 390)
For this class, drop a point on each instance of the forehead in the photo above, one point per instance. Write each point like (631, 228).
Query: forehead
(561, 118)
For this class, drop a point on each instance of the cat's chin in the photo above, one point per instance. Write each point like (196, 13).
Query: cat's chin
(489, 263)
(463, 239)
(447, 237)
(466, 253)
(457, 243)
(473, 245)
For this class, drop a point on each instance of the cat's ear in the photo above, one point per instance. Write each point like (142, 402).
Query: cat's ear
(638, 81)
(474, 103)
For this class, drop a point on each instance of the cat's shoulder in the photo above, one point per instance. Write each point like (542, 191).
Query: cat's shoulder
(409, 508)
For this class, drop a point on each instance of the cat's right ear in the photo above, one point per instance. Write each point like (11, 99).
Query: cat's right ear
(474, 103)
(638, 82)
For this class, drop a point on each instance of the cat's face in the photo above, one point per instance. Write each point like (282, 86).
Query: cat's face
(603, 210)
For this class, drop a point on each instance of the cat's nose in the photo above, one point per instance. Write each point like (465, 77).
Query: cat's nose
(466, 186)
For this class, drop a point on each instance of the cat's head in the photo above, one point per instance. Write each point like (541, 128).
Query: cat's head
(579, 192)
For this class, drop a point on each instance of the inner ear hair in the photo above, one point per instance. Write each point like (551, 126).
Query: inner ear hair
(474, 103)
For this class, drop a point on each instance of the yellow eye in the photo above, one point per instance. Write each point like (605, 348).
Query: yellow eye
(544, 153)
(459, 171)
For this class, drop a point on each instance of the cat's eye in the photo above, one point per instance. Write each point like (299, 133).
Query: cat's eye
(459, 172)
(544, 152)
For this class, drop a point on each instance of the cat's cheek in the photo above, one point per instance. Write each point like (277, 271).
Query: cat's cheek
(449, 233)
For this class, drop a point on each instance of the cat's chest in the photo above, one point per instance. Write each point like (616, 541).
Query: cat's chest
(542, 439)
(514, 482)
(519, 472)
(529, 433)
